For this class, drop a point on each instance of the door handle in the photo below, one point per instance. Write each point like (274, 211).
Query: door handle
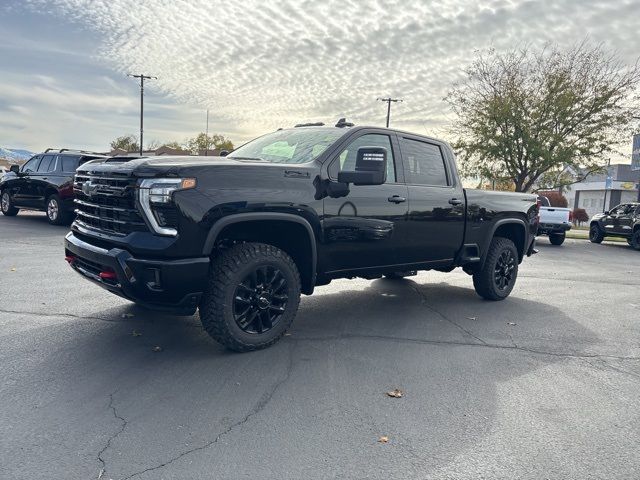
(455, 201)
(396, 199)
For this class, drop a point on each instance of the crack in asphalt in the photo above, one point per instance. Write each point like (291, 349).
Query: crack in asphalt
(258, 407)
(579, 280)
(459, 343)
(124, 422)
(68, 315)
(605, 365)
(424, 302)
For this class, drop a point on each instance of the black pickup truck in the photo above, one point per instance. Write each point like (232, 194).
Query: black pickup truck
(240, 237)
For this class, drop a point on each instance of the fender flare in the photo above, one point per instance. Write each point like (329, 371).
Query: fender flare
(507, 221)
(220, 225)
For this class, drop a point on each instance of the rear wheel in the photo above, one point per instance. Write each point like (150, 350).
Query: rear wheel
(556, 238)
(6, 205)
(55, 214)
(596, 235)
(635, 239)
(498, 275)
(252, 296)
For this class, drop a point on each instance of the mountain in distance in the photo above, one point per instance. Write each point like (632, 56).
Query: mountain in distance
(15, 155)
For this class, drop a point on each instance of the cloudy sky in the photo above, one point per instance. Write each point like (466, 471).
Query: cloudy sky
(259, 64)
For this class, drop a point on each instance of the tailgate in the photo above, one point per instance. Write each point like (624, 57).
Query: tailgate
(554, 215)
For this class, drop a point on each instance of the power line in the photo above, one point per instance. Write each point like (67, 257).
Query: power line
(389, 100)
(142, 78)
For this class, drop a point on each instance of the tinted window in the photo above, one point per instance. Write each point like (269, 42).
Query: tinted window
(544, 201)
(69, 163)
(47, 164)
(31, 165)
(423, 163)
(347, 158)
(619, 210)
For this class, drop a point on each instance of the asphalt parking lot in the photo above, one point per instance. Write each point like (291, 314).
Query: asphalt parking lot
(544, 385)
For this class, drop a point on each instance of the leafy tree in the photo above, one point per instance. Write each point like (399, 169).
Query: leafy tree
(203, 141)
(129, 143)
(556, 199)
(528, 116)
(174, 145)
(580, 215)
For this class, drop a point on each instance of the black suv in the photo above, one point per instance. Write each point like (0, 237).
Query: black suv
(623, 221)
(45, 182)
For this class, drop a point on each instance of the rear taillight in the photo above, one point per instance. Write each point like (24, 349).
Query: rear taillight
(538, 204)
(570, 216)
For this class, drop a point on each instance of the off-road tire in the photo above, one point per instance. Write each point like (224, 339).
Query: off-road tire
(596, 235)
(6, 205)
(55, 213)
(229, 269)
(557, 238)
(484, 280)
(634, 241)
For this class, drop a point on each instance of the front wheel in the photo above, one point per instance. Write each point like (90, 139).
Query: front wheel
(556, 238)
(252, 296)
(498, 275)
(596, 235)
(635, 240)
(7, 205)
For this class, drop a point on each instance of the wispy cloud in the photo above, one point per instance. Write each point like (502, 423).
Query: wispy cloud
(259, 65)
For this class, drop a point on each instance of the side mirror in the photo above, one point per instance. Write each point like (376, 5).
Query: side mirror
(15, 169)
(371, 167)
(606, 212)
(224, 153)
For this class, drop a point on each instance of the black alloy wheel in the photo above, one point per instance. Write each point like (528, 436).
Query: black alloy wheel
(596, 235)
(260, 300)
(635, 239)
(497, 276)
(504, 270)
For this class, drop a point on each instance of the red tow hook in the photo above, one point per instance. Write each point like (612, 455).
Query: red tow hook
(106, 275)
(70, 259)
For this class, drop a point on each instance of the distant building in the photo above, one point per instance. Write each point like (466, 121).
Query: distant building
(590, 194)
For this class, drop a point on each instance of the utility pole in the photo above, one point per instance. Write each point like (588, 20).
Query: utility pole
(206, 136)
(142, 78)
(389, 100)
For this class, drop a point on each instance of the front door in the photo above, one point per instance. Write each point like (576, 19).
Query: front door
(366, 228)
(624, 221)
(436, 202)
(22, 188)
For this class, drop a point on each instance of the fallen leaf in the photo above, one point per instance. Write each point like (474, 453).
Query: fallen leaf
(101, 473)
(513, 324)
(156, 349)
(383, 439)
(13, 269)
(127, 315)
(472, 318)
(136, 333)
(396, 393)
(287, 334)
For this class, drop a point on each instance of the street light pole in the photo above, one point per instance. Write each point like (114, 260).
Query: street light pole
(389, 100)
(142, 78)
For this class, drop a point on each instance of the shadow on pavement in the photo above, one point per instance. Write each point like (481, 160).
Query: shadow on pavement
(313, 402)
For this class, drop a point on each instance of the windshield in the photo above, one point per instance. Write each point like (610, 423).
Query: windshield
(299, 145)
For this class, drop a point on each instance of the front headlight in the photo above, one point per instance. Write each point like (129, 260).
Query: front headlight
(158, 192)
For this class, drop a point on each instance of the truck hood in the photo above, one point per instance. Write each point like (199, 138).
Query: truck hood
(174, 166)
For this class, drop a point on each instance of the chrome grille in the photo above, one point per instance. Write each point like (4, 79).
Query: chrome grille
(107, 203)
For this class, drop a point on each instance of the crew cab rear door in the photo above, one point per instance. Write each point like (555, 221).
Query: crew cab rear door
(436, 201)
(365, 228)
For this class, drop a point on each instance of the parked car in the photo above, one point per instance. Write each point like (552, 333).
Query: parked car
(241, 236)
(554, 221)
(45, 182)
(622, 221)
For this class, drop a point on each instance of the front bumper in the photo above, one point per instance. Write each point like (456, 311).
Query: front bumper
(170, 285)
